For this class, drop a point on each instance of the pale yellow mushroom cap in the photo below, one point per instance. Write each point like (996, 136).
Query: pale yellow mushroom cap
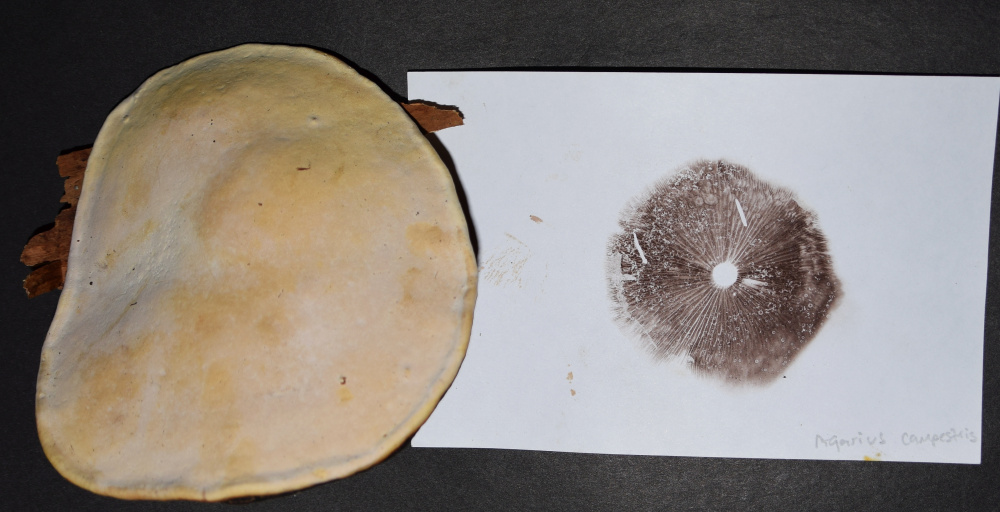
(270, 284)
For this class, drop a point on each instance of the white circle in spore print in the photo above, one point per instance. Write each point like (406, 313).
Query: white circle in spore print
(716, 265)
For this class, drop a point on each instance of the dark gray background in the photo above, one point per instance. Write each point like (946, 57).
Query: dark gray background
(65, 66)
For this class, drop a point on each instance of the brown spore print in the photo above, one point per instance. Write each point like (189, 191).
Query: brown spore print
(721, 268)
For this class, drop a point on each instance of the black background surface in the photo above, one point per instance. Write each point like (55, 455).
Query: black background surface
(66, 65)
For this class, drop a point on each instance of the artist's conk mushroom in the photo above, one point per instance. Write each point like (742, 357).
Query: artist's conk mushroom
(270, 285)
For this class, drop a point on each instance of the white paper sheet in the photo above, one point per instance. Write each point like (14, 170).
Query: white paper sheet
(898, 171)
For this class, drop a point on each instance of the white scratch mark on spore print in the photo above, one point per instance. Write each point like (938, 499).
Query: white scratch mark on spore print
(739, 208)
(638, 247)
(742, 329)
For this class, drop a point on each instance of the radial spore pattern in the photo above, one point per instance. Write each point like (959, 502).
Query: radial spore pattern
(707, 216)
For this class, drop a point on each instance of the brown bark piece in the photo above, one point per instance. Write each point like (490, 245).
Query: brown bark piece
(432, 117)
(45, 278)
(48, 251)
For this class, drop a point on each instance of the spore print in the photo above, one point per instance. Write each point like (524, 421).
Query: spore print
(717, 266)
